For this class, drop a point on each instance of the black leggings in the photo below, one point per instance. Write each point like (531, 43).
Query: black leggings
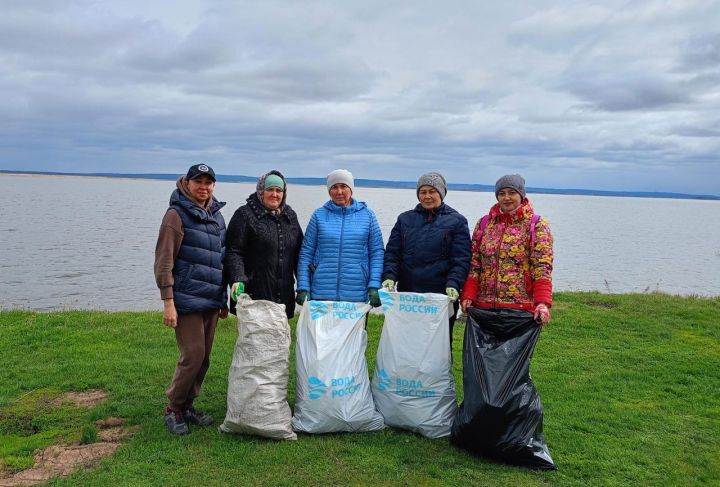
(453, 316)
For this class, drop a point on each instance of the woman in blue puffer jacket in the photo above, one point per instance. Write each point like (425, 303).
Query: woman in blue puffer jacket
(341, 257)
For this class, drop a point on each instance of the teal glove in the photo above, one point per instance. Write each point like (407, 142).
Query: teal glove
(301, 297)
(236, 290)
(452, 293)
(389, 284)
(374, 297)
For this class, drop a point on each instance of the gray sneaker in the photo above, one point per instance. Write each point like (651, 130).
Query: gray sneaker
(193, 416)
(175, 422)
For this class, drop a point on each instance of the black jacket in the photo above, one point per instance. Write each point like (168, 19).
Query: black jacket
(262, 252)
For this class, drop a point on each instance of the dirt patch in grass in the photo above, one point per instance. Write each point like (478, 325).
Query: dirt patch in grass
(86, 399)
(62, 460)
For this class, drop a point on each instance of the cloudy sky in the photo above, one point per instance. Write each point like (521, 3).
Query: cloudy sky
(617, 95)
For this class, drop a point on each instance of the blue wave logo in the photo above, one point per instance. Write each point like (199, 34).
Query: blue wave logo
(317, 387)
(386, 299)
(384, 381)
(318, 309)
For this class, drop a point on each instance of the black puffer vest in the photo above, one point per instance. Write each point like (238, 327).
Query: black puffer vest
(198, 269)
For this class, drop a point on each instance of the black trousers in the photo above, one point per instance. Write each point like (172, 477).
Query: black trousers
(453, 317)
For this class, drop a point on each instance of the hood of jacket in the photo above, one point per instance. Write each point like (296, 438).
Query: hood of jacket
(181, 196)
(523, 212)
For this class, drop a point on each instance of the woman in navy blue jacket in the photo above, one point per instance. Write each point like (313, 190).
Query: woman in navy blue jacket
(341, 257)
(429, 246)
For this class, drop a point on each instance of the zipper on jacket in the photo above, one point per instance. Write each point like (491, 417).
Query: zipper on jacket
(342, 232)
(497, 265)
(278, 263)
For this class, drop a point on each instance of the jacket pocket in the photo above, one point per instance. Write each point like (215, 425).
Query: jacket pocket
(312, 268)
(186, 275)
(365, 273)
(445, 246)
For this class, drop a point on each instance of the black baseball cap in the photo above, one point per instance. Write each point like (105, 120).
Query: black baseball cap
(198, 170)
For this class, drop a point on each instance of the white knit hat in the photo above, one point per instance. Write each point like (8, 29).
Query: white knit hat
(340, 176)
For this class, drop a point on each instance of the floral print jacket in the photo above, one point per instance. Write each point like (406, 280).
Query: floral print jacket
(504, 271)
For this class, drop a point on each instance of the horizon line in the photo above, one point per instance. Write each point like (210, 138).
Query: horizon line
(384, 183)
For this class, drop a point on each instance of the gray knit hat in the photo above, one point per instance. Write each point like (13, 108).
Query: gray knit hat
(341, 176)
(514, 181)
(434, 179)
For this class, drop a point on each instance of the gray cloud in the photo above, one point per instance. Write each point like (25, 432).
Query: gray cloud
(574, 95)
(617, 91)
(702, 52)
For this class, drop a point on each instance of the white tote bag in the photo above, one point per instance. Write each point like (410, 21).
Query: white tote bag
(258, 378)
(413, 386)
(332, 387)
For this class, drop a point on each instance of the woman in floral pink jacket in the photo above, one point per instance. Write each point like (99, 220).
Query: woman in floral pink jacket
(512, 262)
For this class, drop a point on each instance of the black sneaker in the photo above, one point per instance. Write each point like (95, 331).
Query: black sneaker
(193, 416)
(175, 422)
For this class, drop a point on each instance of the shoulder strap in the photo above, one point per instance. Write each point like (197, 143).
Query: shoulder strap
(533, 222)
(483, 223)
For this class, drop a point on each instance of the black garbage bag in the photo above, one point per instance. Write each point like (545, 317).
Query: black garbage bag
(501, 414)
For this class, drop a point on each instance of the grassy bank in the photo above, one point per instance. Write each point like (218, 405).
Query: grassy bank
(630, 384)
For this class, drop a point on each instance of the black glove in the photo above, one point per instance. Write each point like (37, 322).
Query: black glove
(374, 297)
(301, 297)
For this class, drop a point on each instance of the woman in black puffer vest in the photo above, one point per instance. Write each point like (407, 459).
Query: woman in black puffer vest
(262, 245)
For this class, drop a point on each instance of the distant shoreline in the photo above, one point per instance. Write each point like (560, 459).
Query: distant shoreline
(376, 183)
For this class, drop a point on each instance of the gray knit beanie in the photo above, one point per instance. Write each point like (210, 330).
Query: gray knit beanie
(434, 179)
(514, 181)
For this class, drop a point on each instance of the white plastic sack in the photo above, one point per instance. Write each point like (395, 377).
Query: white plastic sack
(257, 383)
(332, 387)
(413, 386)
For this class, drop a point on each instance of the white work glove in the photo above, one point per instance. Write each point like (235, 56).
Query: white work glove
(388, 285)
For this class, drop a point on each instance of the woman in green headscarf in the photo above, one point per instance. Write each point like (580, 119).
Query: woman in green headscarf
(262, 245)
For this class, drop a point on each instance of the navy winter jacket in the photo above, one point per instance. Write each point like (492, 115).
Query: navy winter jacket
(342, 253)
(198, 268)
(428, 250)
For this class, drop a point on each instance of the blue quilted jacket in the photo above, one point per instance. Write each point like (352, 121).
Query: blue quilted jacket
(342, 253)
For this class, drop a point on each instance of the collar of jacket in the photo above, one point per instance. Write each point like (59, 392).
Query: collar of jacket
(354, 206)
(197, 212)
(261, 210)
(523, 212)
(430, 215)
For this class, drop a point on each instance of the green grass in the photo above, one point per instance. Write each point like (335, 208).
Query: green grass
(630, 385)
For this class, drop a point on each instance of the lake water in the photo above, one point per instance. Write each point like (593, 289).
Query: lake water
(88, 243)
